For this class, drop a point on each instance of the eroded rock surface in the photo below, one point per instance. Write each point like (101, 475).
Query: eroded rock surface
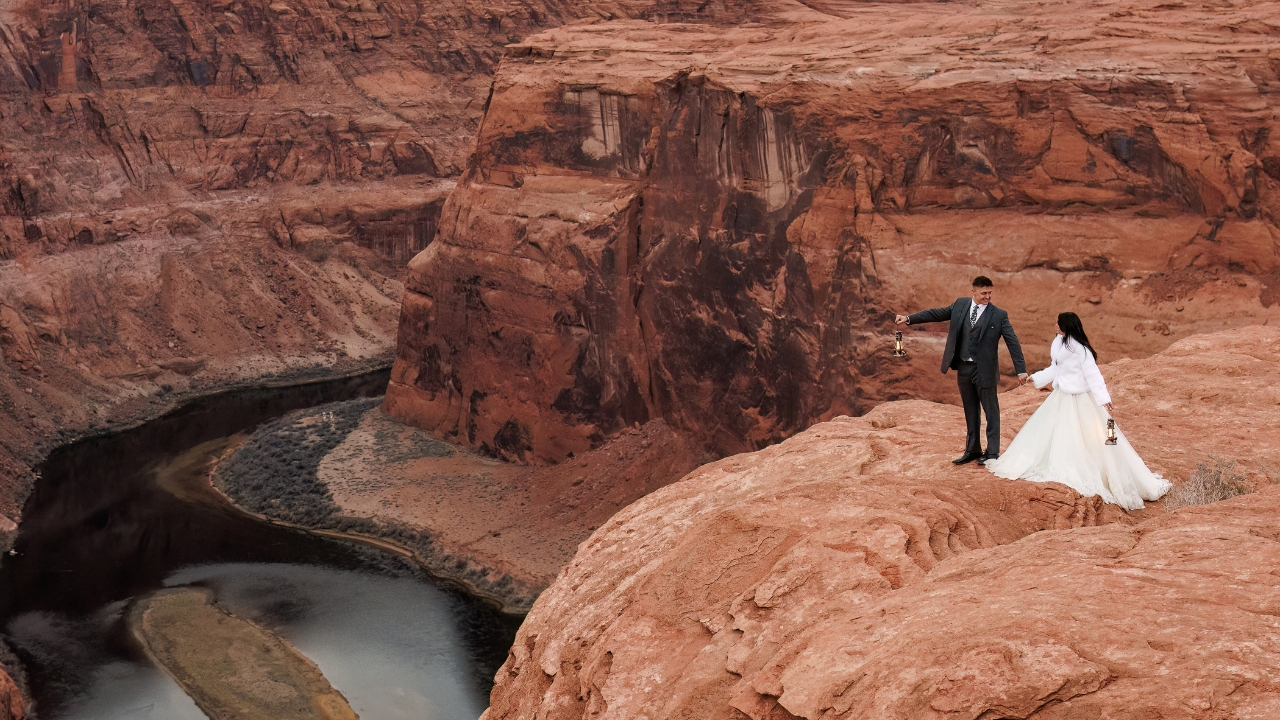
(851, 571)
(194, 194)
(11, 704)
(714, 226)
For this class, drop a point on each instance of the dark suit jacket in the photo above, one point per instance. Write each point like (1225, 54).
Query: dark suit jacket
(993, 325)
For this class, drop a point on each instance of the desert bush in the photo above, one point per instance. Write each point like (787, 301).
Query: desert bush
(1208, 485)
(274, 471)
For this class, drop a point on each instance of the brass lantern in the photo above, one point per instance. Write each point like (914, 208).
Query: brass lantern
(898, 350)
(1111, 431)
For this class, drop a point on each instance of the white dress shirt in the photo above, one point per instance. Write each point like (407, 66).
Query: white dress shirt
(1073, 371)
(981, 309)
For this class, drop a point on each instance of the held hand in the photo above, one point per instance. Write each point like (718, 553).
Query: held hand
(1023, 379)
(900, 319)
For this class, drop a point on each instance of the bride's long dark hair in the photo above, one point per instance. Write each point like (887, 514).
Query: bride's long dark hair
(1070, 325)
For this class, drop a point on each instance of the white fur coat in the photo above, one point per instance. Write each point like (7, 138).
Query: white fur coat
(1073, 371)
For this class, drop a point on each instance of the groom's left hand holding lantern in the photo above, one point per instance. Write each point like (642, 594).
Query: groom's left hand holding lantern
(898, 350)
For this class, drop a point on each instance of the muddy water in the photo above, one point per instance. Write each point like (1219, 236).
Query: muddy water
(117, 517)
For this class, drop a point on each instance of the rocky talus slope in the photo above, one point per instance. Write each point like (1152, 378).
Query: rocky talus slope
(714, 226)
(197, 194)
(851, 571)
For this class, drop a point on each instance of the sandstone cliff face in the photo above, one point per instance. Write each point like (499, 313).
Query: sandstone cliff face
(851, 571)
(193, 194)
(715, 226)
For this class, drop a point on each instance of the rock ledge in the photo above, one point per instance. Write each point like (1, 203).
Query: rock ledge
(852, 572)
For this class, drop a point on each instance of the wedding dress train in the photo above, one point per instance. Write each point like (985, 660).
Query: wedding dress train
(1064, 441)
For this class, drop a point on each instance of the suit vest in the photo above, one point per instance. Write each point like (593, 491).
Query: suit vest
(966, 344)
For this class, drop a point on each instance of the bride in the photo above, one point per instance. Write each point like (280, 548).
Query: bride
(1064, 441)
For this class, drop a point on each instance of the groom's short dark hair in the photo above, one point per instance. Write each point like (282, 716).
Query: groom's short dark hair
(983, 281)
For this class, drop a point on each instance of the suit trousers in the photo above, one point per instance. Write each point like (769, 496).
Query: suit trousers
(979, 399)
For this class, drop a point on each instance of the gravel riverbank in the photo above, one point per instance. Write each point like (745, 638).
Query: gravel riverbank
(275, 473)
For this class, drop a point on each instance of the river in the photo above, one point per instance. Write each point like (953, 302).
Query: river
(101, 529)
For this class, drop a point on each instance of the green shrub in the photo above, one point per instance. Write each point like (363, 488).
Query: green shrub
(275, 471)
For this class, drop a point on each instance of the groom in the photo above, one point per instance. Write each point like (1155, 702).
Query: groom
(972, 350)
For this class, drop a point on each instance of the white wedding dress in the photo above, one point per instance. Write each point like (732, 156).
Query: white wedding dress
(1064, 441)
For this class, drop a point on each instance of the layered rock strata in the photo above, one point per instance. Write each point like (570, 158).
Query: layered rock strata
(714, 227)
(200, 195)
(851, 571)
(103, 336)
(194, 194)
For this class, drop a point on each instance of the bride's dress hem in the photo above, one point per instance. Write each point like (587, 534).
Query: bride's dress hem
(1064, 442)
(1106, 497)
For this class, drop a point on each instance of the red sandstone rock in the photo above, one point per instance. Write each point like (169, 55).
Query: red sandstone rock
(10, 699)
(8, 532)
(714, 227)
(197, 193)
(851, 571)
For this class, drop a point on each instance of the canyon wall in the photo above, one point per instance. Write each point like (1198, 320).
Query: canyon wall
(853, 572)
(715, 226)
(198, 194)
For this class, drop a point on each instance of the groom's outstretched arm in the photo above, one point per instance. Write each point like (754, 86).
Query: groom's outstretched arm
(1015, 349)
(941, 314)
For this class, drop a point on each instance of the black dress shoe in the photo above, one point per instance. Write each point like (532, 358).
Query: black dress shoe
(966, 458)
(983, 460)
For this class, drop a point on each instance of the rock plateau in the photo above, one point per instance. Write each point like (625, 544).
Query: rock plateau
(714, 226)
(853, 572)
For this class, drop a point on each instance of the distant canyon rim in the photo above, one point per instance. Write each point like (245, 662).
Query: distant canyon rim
(565, 221)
